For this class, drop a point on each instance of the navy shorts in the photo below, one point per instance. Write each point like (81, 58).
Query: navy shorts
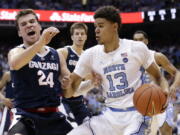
(53, 123)
(77, 106)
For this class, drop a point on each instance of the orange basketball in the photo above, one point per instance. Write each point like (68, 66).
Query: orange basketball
(149, 99)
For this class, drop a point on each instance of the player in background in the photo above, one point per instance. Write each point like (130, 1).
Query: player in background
(6, 96)
(118, 62)
(165, 119)
(5, 85)
(71, 54)
(36, 73)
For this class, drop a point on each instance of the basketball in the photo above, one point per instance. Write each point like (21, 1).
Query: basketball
(149, 99)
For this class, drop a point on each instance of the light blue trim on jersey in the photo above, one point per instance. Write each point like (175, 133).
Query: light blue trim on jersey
(122, 110)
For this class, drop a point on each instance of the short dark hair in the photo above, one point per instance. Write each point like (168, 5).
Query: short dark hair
(141, 32)
(23, 13)
(109, 13)
(78, 26)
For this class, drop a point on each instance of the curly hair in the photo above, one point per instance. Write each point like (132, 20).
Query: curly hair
(109, 13)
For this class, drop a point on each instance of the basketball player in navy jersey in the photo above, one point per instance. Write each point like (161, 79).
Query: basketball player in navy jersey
(72, 53)
(118, 62)
(163, 62)
(36, 73)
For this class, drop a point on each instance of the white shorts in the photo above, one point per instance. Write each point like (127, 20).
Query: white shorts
(166, 116)
(114, 122)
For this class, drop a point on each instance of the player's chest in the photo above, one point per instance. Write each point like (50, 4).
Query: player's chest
(118, 62)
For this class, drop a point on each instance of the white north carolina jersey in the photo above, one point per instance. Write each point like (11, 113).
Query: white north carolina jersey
(119, 69)
(145, 76)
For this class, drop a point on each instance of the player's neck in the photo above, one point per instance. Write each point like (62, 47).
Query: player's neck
(43, 49)
(77, 49)
(112, 45)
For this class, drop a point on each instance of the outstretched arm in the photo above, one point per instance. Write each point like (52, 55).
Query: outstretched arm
(93, 81)
(154, 71)
(18, 57)
(163, 61)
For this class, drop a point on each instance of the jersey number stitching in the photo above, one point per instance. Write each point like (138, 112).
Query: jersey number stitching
(122, 78)
(43, 80)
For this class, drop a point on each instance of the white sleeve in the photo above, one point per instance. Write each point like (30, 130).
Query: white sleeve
(145, 56)
(83, 66)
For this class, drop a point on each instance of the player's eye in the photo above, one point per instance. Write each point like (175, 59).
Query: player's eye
(23, 23)
(32, 21)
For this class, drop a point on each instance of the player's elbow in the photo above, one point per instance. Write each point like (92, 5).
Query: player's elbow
(14, 66)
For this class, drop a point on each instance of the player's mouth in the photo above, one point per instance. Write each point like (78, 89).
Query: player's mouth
(31, 33)
(97, 37)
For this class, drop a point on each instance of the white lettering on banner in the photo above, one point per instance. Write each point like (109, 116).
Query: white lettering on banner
(173, 13)
(55, 17)
(71, 17)
(151, 15)
(162, 13)
(5, 15)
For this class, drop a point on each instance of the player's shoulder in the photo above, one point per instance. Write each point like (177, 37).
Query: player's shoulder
(64, 49)
(136, 46)
(17, 48)
(50, 48)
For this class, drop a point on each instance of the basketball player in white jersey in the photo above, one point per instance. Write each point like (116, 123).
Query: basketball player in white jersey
(165, 119)
(118, 62)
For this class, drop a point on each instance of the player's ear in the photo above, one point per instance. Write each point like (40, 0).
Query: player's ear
(146, 41)
(115, 26)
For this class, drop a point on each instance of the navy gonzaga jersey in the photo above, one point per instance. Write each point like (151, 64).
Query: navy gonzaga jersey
(9, 90)
(72, 59)
(36, 84)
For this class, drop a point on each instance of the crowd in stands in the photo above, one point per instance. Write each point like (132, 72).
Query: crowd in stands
(90, 5)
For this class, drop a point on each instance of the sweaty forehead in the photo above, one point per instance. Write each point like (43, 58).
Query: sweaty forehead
(79, 30)
(101, 21)
(26, 18)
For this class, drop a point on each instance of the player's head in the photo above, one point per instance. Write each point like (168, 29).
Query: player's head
(78, 33)
(28, 26)
(107, 23)
(141, 36)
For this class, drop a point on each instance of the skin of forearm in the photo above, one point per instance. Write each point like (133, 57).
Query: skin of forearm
(23, 58)
(176, 82)
(164, 84)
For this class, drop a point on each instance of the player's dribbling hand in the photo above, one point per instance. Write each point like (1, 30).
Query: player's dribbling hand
(172, 93)
(48, 34)
(167, 102)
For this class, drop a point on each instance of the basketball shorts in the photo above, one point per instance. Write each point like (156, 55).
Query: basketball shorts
(53, 123)
(78, 108)
(115, 121)
(166, 116)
